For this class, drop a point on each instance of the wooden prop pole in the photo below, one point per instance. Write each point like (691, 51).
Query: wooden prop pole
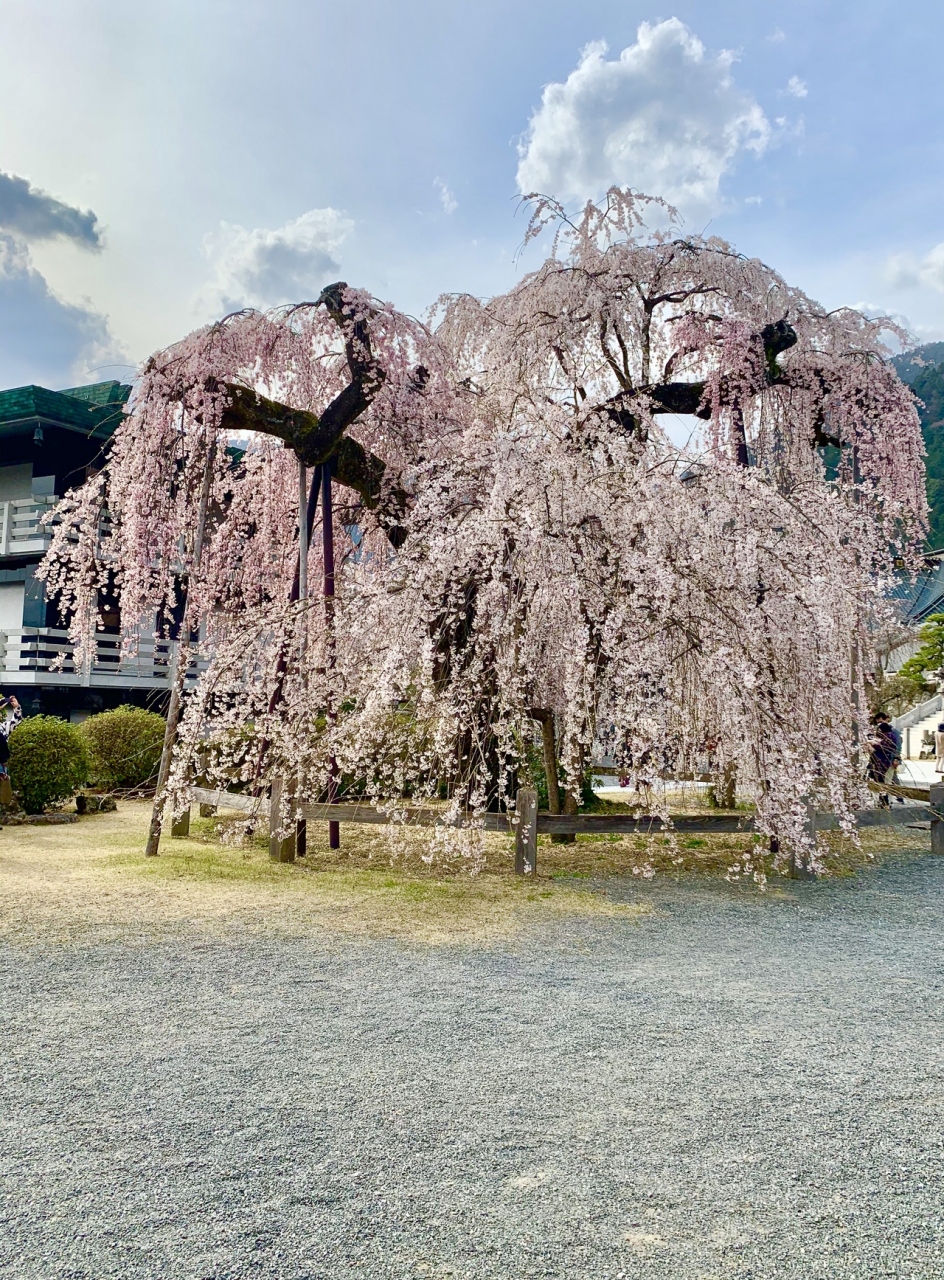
(526, 833)
(327, 535)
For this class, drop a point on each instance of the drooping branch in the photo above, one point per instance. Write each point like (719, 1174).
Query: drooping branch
(354, 466)
(318, 439)
(689, 397)
(369, 476)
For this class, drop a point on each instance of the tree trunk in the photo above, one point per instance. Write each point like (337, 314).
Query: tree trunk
(571, 806)
(723, 793)
(549, 743)
(180, 670)
(551, 769)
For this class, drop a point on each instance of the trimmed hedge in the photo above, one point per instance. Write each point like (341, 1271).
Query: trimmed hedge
(49, 762)
(124, 746)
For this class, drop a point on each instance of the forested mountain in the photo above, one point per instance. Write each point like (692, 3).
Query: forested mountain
(924, 369)
(918, 361)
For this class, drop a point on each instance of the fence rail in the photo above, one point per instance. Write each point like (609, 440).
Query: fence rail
(526, 823)
(46, 655)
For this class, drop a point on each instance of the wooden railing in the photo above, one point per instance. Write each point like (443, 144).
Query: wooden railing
(526, 823)
(45, 655)
(21, 527)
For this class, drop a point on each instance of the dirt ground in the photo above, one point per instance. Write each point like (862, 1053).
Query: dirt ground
(220, 1068)
(90, 881)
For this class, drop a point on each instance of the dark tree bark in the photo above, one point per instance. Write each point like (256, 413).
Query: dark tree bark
(549, 743)
(688, 397)
(323, 439)
(354, 466)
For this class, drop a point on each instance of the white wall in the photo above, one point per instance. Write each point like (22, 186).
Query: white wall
(896, 659)
(16, 482)
(11, 604)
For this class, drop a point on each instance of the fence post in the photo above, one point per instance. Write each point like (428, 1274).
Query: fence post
(281, 849)
(180, 825)
(526, 834)
(937, 817)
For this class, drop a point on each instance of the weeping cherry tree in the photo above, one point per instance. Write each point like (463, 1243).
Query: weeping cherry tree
(523, 546)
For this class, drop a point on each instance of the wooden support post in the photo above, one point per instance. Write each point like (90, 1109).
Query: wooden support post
(937, 817)
(301, 830)
(281, 849)
(526, 835)
(180, 825)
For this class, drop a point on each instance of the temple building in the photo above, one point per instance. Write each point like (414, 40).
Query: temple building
(50, 442)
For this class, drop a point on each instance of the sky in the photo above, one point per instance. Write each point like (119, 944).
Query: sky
(164, 163)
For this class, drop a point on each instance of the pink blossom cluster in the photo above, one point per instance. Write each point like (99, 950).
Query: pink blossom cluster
(560, 551)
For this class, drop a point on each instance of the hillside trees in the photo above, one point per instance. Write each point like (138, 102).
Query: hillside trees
(521, 540)
(928, 385)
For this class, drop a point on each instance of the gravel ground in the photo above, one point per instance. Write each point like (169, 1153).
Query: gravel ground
(735, 1085)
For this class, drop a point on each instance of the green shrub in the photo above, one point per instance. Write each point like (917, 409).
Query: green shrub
(49, 762)
(897, 693)
(124, 746)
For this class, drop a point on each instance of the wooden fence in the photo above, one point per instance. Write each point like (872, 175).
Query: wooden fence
(526, 823)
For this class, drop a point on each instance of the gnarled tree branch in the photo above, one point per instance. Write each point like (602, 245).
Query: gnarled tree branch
(689, 397)
(353, 466)
(321, 439)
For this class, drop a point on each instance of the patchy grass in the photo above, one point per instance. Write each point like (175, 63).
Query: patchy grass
(845, 858)
(91, 881)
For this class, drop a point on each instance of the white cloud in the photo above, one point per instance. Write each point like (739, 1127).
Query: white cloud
(777, 36)
(906, 271)
(42, 338)
(753, 199)
(665, 117)
(797, 87)
(449, 202)
(265, 268)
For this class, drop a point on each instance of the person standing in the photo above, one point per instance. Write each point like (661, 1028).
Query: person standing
(939, 749)
(10, 717)
(886, 720)
(883, 752)
(891, 776)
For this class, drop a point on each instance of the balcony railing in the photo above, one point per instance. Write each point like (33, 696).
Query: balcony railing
(43, 655)
(21, 530)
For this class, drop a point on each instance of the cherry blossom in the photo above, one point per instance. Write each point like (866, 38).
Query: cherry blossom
(519, 540)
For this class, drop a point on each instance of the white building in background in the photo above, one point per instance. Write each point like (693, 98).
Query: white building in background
(50, 441)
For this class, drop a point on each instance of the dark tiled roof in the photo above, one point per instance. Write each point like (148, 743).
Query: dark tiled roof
(94, 410)
(99, 393)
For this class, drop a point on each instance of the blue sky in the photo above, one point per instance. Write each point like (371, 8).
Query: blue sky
(182, 158)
